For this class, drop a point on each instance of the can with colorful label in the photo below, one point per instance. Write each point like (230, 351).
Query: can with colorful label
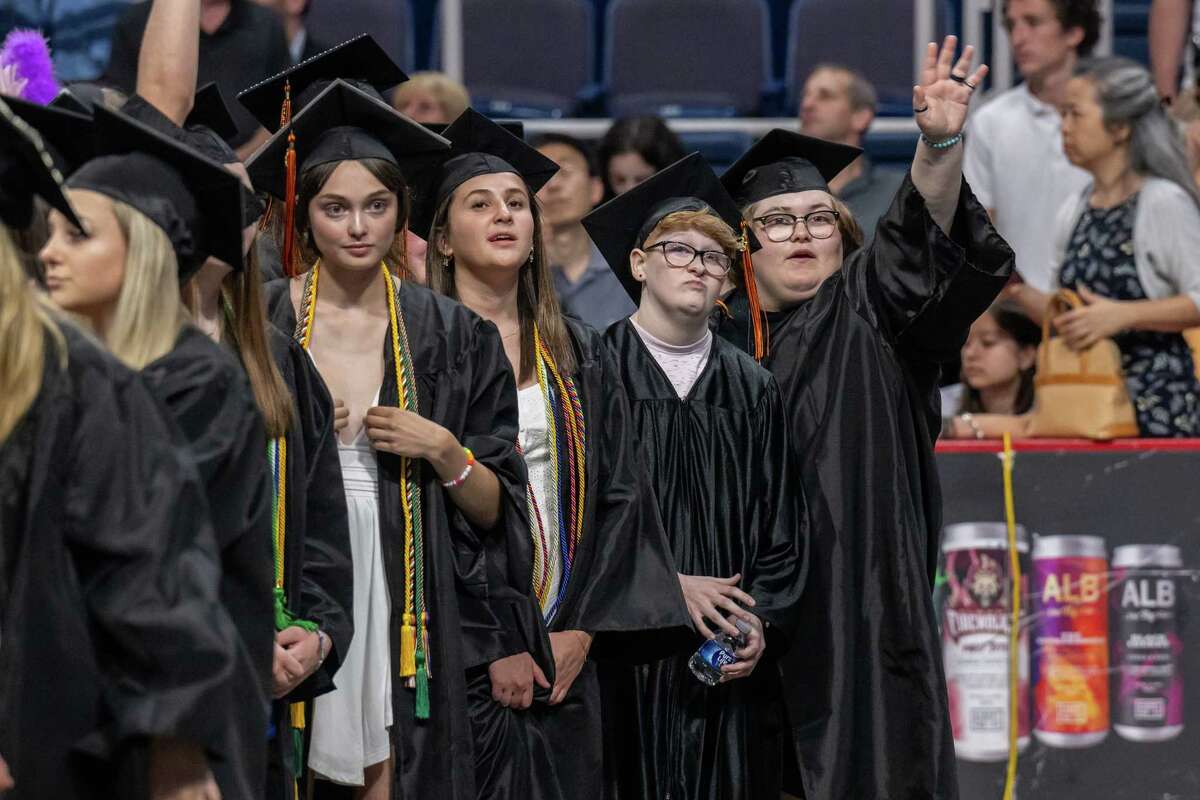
(1147, 649)
(976, 635)
(1071, 640)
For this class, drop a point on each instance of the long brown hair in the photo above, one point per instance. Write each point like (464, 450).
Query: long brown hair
(311, 182)
(1026, 333)
(537, 302)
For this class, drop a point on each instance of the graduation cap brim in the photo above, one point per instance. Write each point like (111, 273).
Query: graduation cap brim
(360, 58)
(66, 134)
(775, 165)
(616, 226)
(478, 146)
(27, 170)
(215, 191)
(344, 124)
(210, 110)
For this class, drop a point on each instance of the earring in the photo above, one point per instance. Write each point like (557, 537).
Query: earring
(445, 261)
(531, 256)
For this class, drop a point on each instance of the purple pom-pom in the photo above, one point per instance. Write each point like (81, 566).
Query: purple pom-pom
(30, 52)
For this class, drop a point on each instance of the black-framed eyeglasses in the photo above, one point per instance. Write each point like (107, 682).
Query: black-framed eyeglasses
(682, 254)
(780, 226)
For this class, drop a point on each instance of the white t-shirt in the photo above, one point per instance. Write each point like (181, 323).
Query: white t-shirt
(1016, 166)
(682, 365)
(534, 437)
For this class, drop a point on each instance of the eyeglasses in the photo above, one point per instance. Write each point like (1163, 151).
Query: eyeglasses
(681, 254)
(780, 227)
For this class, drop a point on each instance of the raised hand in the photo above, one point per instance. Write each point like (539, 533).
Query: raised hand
(942, 98)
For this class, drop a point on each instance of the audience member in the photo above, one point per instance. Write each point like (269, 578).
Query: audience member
(240, 43)
(80, 31)
(301, 45)
(839, 105)
(586, 287)
(431, 97)
(1128, 242)
(634, 149)
(999, 359)
(1174, 57)
(1014, 158)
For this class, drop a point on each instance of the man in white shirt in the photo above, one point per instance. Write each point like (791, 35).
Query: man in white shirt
(1014, 157)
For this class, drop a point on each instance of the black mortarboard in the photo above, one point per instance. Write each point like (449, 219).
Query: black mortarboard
(67, 101)
(210, 110)
(783, 162)
(343, 123)
(624, 222)
(193, 199)
(358, 60)
(478, 146)
(27, 170)
(66, 134)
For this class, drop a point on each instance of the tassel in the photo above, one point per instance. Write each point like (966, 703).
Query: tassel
(422, 709)
(761, 332)
(289, 203)
(408, 646)
(298, 725)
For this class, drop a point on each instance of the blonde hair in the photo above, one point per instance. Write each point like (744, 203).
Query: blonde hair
(25, 322)
(703, 222)
(451, 95)
(150, 312)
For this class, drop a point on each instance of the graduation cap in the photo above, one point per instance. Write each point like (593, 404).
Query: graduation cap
(193, 199)
(358, 61)
(210, 110)
(623, 223)
(27, 170)
(783, 162)
(478, 146)
(343, 123)
(65, 134)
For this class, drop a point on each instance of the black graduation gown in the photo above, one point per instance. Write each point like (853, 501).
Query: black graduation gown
(477, 582)
(623, 579)
(318, 574)
(208, 397)
(722, 468)
(111, 628)
(858, 365)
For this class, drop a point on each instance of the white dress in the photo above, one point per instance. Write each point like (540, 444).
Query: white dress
(350, 724)
(535, 447)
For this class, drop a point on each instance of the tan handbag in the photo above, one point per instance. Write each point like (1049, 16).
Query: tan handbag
(1079, 395)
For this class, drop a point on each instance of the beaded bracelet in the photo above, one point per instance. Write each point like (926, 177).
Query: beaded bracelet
(462, 477)
(942, 145)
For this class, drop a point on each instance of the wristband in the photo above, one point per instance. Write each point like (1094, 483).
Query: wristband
(942, 145)
(462, 476)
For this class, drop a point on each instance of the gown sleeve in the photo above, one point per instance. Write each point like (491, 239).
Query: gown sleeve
(925, 287)
(327, 579)
(148, 565)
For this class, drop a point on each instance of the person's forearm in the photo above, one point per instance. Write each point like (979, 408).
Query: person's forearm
(937, 175)
(1169, 315)
(478, 497)
(1168, 35)
(169, 57)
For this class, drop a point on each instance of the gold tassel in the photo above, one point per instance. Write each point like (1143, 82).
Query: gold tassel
(408, 646)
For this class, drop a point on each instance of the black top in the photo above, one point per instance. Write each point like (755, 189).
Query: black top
(249, 46)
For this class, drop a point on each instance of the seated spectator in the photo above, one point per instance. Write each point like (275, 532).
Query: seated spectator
(301, 45)
(81, 31)
(839, 105)
(431, 97)
(1129, 242)
(585, 285)
(1014, 159)
(998, 364)
(634, 149)
(241, 43)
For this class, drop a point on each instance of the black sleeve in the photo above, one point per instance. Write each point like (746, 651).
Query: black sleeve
(147, 561)
(926, 287)
(327, 582)
(126, 44)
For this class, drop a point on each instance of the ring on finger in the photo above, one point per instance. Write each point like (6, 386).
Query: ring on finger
(958, 78)
(969, 85)
(920, 110)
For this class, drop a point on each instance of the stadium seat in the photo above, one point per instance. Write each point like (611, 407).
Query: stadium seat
(1131, 30)
(719, 148)
(514, 69)
(686, 57)
(389, 21)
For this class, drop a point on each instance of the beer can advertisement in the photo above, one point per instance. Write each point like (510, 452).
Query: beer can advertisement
(1103, 669)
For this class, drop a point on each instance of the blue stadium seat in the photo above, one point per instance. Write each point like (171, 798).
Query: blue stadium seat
(686, 57)
(719, 148)
(1131, 30)
(389, 21)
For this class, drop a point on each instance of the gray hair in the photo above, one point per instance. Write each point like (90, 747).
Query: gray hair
(1126, 93)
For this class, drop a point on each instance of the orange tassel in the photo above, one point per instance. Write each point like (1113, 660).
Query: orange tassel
(289, 207)
(762, 333)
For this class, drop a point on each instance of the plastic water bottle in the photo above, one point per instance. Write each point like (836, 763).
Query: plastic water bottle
(706, 662)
